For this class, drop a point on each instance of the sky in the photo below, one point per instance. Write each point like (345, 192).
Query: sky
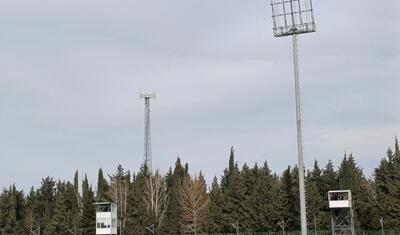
(71, 73)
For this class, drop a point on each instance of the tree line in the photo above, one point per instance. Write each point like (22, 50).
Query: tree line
(252, 198)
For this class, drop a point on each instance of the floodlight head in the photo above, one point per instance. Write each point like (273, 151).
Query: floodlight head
(292, 17)
(147, 95)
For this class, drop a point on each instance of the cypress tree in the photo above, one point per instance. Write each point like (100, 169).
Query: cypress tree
(102, 187)
(233, 195)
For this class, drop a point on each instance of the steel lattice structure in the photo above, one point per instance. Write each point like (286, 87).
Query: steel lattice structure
(292, 17)
(147, 133)
(342, 215)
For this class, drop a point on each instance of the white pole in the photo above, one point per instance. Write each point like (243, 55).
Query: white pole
(303, 217)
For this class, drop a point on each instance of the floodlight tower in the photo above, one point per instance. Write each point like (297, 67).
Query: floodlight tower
(291, 18)
(147, 133)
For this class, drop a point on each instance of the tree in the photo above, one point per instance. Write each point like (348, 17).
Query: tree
(316, 197)
(118, 192)
(102, 187)
(387, 181)
(156, 198)
(58, 223)
(266, 199)
(76, 189)
(174, 183)
(351, 177)
(31, 208)
(12, 210)
(73, 205)
(193, 202)
(233, 192)
(214, 215)
(46, 202)
(138, 217)
(88, 217)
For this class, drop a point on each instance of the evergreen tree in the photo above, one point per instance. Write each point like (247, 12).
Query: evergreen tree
(31, 209)
(12, 210)
(233, 192)
(214, 216)
(58, 223)
(387, 180)
(137, 215)
(265, 199)
(87, 222)
(316, 198)
(173, 219)
(72, 205)
(46, 196)
(102, 187)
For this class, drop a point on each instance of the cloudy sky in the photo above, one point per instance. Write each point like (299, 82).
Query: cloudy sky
(71, 73)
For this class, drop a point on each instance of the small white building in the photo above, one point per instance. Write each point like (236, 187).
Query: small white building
(106, 218)
(340, 199)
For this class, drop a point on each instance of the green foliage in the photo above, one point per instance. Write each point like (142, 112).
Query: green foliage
(137, 216)
(58, 223)
(174, 182)
(102, 188)
(253, 197)
(88, 217)
(387, 181)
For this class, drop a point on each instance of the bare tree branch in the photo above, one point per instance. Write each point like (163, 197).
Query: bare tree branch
(156, 197)
(193, 201)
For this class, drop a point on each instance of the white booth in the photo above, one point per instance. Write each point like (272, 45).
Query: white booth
(339, 199)
(342, 216)
(106, 218)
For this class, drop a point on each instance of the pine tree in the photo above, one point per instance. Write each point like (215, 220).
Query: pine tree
(351, 177)
(87, 222)
(387, 180)
(214, 216)
(46, 196)
(31, 209)
(58, 223)
(314, 204)
(265, 199)
(137, 215)
(12, 210)
(173, 219)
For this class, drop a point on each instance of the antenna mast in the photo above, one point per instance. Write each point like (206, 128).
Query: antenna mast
(147, 133)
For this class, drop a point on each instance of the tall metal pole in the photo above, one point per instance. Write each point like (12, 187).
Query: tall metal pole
(303, 213)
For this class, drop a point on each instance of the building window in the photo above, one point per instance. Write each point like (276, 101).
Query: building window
(103, 223)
